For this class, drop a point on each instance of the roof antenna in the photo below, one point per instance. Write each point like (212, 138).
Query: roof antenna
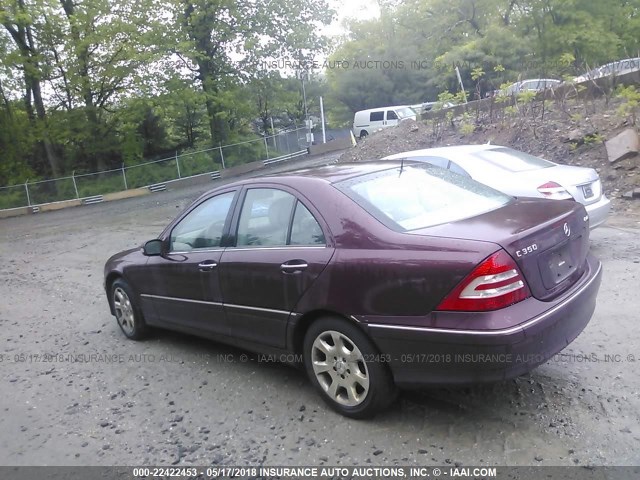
(401, 166)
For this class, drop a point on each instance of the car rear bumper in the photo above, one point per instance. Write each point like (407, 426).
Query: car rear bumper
(421, 356)
(598, 211)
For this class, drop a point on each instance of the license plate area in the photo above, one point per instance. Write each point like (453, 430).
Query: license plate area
(587, 191)
(558, 263)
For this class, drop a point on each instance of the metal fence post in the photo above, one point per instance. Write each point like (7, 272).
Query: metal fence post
(266, 147)
(75, 186)
(178, 164)
(124, 177)
(221, 156)
(26, 187)
(275, 142)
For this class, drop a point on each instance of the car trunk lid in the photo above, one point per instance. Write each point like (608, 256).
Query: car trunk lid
(548, 239)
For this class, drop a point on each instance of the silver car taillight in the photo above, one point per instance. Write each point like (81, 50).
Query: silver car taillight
(554, 191)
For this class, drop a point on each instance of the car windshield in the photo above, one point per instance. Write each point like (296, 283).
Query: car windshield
(418, 196)
(512, 160)
(405, 112)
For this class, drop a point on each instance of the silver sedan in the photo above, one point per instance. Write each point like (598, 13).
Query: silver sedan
(520, 174)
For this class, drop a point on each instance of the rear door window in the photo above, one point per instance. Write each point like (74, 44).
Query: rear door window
(376, 116)
(273, 217)
(305, 229)
(265, 217)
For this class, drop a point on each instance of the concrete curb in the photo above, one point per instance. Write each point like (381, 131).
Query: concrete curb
(76, 202)
(136, 192)
(15, 212)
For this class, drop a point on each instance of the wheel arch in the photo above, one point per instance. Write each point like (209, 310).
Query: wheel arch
(111, 277)
(301, 327)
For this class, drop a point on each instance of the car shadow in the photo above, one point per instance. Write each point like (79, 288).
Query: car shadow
(217, 352)
(522, 396)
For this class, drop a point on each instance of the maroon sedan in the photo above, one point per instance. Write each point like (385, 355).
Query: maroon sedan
(379, 274)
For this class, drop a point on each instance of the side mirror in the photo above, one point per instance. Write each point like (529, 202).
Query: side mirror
(153, 247)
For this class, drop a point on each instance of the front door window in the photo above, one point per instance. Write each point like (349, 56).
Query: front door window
(202, 228)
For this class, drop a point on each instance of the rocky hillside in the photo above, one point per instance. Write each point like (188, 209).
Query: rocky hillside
(567, 134)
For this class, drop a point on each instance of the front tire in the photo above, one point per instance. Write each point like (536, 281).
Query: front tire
(127, 313)
(340, 361)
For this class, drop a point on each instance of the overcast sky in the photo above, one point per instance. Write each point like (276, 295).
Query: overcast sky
(360, 9)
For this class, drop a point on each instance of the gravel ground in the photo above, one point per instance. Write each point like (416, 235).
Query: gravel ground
(176, 399)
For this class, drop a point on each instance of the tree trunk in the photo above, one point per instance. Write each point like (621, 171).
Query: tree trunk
(23, 38)
(7, 105)
(199, 30)
(217, 126)
(95, 160)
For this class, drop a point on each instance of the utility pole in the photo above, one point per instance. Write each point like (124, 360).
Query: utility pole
(275, 143)
(306, 112)
(461, 85)
(324, 135)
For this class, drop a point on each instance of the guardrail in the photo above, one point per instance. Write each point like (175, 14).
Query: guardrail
(287, 156)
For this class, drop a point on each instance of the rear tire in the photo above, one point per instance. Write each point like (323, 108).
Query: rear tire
(345, 367)
(127, 312)
(363, 134)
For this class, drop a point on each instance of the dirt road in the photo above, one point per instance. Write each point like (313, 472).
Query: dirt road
(76, 392)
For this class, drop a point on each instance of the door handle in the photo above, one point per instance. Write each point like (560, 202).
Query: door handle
(290, 267)
(207, 265)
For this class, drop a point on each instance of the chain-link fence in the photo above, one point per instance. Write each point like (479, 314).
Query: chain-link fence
(14, 196)
(84, 185)
(90, 184)
(47, 191)
(151, 173)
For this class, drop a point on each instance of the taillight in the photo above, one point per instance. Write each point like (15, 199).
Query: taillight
(495, 283)
(554, 191)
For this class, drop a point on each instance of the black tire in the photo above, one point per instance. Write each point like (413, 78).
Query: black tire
(352, 395)
(127, 312)
(363, 133)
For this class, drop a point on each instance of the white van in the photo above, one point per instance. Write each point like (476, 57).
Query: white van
(374, 119)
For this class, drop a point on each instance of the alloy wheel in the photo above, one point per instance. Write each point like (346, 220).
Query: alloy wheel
(340, 368)
(124, 311)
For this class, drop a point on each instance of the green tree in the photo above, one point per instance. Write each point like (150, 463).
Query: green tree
(374, 67)
(525, 38)
(99, 51)
(267, 91)
(224, 42)
(183, 107)
(20, 22)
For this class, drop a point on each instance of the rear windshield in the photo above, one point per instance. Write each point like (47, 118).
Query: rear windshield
(513, 160)
(418, 196)
(405, 112)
